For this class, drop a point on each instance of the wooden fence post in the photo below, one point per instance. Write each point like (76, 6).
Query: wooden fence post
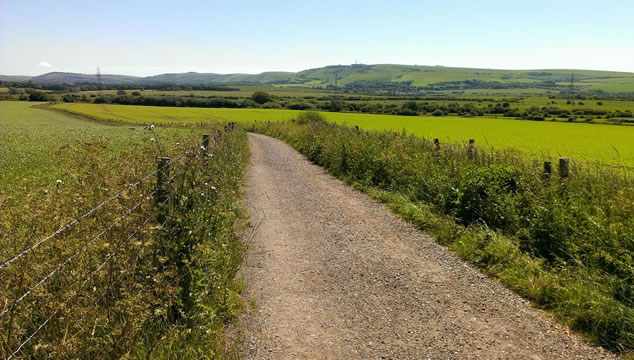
(437, 143)
(548, 168)
(205, 142)
(564, 167)
(471, 148)
(162, 191)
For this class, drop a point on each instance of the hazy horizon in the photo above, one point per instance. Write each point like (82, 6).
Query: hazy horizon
(150, 38)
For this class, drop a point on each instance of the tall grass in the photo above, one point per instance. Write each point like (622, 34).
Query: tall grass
(566, 243)
(146, 288)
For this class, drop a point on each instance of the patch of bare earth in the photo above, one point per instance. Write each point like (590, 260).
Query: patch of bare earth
(335, 275)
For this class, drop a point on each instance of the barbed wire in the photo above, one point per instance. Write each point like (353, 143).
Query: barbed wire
(86, 245)
(93, 210)
(88, 278)
(94, 239)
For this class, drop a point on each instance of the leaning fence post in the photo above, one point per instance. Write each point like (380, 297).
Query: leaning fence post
(471, 148)
(564, 167)
(437, 143)
(162, 193)
(205, 142)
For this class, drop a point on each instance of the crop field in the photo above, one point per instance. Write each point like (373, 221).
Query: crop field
(38, 144)
(583, 142)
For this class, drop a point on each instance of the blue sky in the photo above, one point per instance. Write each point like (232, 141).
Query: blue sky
(152, 37)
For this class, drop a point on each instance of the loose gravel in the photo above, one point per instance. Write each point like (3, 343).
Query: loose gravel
(335, 275)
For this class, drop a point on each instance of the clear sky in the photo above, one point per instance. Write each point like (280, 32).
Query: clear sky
(139, 37)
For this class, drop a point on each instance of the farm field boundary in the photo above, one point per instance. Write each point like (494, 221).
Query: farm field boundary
(137, 273)
(583, 142)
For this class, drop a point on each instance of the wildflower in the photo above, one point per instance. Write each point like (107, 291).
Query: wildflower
(213, 187)
(178, 143)
(152, 139)
(152, 127)
(58, 182)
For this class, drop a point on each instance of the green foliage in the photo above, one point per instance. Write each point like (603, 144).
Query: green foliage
(309, 117)
(169, 289)
(261, 97)
(567, 244)
(583, 142)
(38, 96)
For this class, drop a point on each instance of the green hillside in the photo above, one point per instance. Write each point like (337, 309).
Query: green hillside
(72, 78)
(407, 78)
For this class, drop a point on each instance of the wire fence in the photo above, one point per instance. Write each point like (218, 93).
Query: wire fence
(163, 166)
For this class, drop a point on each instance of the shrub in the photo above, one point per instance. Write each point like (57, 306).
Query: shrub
(261, 97)
(306, 117)
(38, 96)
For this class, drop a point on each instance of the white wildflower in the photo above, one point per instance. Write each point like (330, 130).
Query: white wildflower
(58, 182)
(213, 187)
(152, 127)
(152, 139)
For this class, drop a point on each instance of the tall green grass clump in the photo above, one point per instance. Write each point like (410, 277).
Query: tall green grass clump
(159, 283)
(565, 243)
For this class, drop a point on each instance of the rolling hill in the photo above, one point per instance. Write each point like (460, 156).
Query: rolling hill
(385, 75)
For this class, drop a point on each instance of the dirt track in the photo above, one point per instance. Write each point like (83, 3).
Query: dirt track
(336, 276)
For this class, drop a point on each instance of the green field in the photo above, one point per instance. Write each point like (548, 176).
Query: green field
(586, 142)
(37, 145)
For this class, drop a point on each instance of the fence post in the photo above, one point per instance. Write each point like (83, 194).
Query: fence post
(162, 192)
(548, 169)
(564, 167)
(356, 128)
(471, 148)
(437, 143)
(205, 142)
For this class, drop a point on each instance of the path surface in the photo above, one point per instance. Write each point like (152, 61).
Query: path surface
(336, 276)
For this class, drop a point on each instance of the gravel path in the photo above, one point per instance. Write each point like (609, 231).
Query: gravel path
(335, 275)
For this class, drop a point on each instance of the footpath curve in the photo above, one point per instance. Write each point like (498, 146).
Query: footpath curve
(335, 275)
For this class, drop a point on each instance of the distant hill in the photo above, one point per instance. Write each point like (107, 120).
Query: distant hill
(14, 78)
(72, 78)
(383, 76)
